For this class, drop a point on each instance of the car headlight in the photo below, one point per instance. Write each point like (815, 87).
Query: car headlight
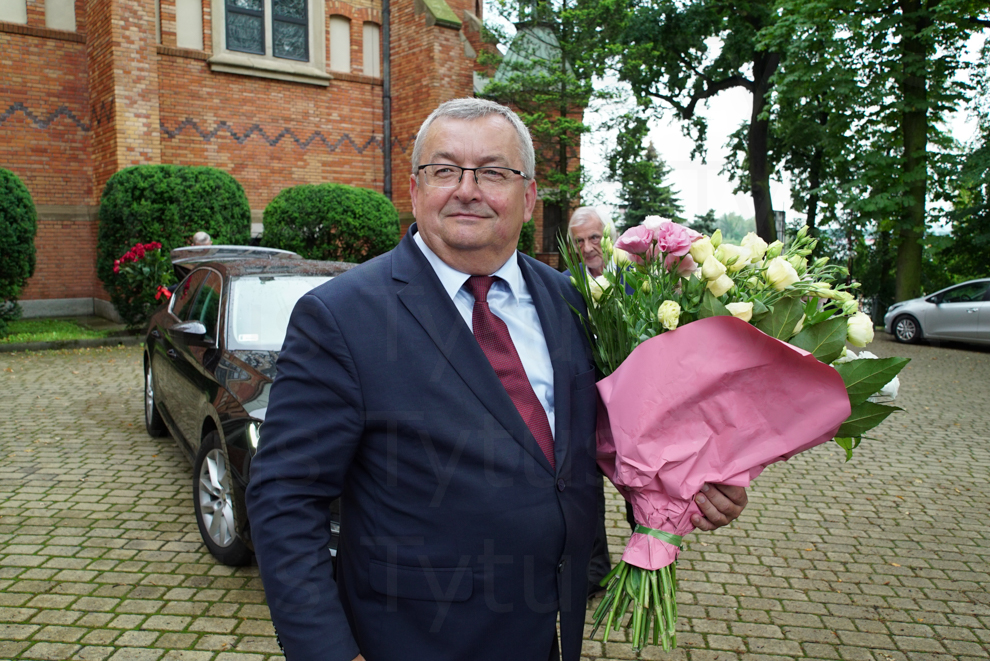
(254, 434)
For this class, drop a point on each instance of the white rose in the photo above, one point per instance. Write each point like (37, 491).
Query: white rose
(621, 258)
(859, 330)
(702, 249)
(734, 257)
(757, 246)
(799, 263)
(712, 269)
(798, 327)
(821, 290)
(781, 274)
(669, 314)
(846, 357)
(598, 287)
(720, 285)
(889, 391)
(742, 311)
(653, 222)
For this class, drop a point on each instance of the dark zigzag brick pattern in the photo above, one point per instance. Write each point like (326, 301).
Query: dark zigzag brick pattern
(103, 114)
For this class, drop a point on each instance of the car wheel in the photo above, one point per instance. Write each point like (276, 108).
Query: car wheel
(152, 418)
(907, 329)
(214, 501)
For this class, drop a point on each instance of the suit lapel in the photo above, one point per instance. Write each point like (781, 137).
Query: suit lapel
(554, 313)
(425, 299)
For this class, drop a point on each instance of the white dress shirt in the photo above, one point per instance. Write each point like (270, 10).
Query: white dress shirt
(510, 301)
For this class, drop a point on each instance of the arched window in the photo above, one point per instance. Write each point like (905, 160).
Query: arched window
(14, 11)
(340, 44)
(60, 14)
(283, 39)
(188, 24)
(372, 50)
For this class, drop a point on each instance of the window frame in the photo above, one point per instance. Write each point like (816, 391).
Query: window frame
(266, 65)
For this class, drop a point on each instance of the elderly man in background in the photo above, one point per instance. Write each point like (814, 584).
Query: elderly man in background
(586, 229)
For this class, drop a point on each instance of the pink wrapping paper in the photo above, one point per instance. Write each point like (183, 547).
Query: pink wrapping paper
(713, 401)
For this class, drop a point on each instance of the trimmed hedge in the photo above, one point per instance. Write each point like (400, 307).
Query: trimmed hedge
(18, 226)
(167, 204)
(527, 239)
(331, 222)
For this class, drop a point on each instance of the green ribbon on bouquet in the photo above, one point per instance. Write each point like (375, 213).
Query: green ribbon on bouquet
(659, 534)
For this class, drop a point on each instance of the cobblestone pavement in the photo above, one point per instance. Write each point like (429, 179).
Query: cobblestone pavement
(884, 558)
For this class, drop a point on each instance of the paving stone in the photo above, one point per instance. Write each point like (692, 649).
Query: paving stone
(877, 559)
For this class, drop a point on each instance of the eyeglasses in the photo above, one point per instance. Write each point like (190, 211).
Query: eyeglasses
(443, 175)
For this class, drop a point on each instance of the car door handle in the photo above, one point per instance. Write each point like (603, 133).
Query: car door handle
(172, 353)
(971, 310)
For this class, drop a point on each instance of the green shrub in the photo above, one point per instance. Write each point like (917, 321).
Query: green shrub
(18, 225)
(331, 222)
(167, 204)
(527, 239)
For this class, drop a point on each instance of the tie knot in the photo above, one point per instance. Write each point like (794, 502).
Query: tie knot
(479, 285)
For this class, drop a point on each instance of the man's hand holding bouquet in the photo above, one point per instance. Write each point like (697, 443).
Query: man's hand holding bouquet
(719, 360)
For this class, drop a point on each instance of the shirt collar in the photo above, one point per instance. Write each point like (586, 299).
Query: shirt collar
(452, 279)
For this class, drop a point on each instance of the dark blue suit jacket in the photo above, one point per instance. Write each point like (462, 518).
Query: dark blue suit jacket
(458, 540)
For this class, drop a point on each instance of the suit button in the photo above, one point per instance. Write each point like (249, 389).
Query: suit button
(560, 567)
(560, 484)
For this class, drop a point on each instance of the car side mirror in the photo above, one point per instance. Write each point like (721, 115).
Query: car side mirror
(935, 299)
(192, 333)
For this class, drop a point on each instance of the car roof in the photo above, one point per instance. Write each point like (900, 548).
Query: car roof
(191, 254)
(241, 267)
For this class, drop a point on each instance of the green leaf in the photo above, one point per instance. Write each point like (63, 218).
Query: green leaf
(759, 309)
(824, 340)
(866, 376)
(864, 417)
(711, 307)
(848, 443)
(782, 319)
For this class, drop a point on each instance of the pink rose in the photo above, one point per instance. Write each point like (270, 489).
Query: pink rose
(674, 239)
(685, 265)
(636, 240)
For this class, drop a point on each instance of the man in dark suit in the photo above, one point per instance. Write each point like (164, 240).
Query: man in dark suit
(453, 413)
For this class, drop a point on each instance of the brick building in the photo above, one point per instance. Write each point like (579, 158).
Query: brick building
(275, 92)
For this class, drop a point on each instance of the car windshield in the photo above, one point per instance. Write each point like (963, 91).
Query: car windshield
(260, 306)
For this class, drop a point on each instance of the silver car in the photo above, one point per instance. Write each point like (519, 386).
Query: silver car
(960, 312)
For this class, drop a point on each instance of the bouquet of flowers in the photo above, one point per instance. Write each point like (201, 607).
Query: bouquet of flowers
(719, 360)
(146, 271)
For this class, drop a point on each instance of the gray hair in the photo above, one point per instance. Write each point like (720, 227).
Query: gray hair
(471, 109)
(583, 215)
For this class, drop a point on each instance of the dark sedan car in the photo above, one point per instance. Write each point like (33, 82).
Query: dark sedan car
(209, 364)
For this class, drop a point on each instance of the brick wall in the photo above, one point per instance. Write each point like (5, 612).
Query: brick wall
(77, 107)
(65, 268)
(271, 134)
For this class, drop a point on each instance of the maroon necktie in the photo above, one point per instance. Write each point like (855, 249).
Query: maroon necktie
(493, 336)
